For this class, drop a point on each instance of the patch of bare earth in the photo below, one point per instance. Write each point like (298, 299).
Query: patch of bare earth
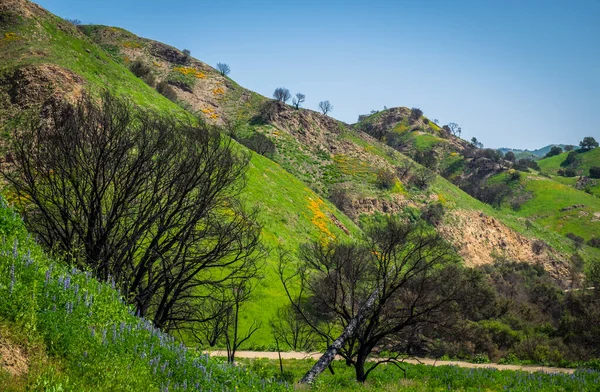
(13, 358)
(34, 84)
(481, 239)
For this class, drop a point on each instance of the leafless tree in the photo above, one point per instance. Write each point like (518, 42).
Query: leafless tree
(240, 292)
(146, 200)
(374, 292)
(454, 129)
(223, 69)
(298, 100)
(325, 106)
(289, 328)
(282, 94)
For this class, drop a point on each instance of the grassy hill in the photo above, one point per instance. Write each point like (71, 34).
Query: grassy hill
(581, 167)
(44, 57)
(66, 61)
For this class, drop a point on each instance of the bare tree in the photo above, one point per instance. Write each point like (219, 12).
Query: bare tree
(325, 106)
(146, 200)
(375, 292)
(282, 94)
(240, 292)
(289, 328)
(223, 69)
(298, 100)
(454, 129)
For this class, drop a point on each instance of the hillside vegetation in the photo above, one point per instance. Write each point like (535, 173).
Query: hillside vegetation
(64, 330)
(315, 180)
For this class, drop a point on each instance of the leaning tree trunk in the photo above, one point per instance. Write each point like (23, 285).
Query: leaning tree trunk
(348, 332)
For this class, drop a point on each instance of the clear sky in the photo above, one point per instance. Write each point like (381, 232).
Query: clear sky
(513, 73)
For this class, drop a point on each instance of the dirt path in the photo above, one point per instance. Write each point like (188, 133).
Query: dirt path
(424, 361)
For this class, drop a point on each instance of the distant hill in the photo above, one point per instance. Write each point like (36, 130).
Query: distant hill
(540, 152)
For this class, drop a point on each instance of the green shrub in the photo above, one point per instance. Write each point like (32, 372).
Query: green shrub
(595, 172)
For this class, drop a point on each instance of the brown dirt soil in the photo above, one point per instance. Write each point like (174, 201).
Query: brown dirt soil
(480, 239)
(12, 358)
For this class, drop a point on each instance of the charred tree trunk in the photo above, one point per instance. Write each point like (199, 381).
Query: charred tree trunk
(348, 332)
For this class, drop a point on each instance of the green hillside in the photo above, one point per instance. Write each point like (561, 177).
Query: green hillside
(44, 57)
(67, 60)
(581, 167)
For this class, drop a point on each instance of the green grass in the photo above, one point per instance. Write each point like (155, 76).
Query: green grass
(82, 337)
(429, 378)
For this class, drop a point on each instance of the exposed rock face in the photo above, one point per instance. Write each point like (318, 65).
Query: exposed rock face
(168, 53)
(480, 239)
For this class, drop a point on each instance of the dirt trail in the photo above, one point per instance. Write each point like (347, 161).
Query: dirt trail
(424, 361)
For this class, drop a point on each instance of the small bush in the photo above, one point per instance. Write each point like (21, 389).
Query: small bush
(514, 175)
(595, 172)
(340, 197)
(595, 242)
(422, 178)
(568, 172)
(577, 240)
(415, 114)
(260, 144)
(165, 89)
(433, 213)
(538, 247)
(385, 179)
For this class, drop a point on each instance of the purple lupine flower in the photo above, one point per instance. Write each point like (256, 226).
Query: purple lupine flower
(12, 277)
(93, 331)
(15, 248)
(122, 326)
(104, 336)
(67, 282)
(48, 272)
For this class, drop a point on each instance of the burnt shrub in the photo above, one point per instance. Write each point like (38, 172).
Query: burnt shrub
(577, 240)
(538, 247)
(494, 194)
(142, 71)
(386, 179)
(340, 197)
(433, 213)
(421, 178)
(595, 242)
(260, 144)
(166, 90)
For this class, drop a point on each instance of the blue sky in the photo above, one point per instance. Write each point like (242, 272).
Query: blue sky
(522, 73)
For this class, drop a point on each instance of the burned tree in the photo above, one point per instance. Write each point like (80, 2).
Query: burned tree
(282, 94)
(325, 107)
(375, 291)
(149, 201)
